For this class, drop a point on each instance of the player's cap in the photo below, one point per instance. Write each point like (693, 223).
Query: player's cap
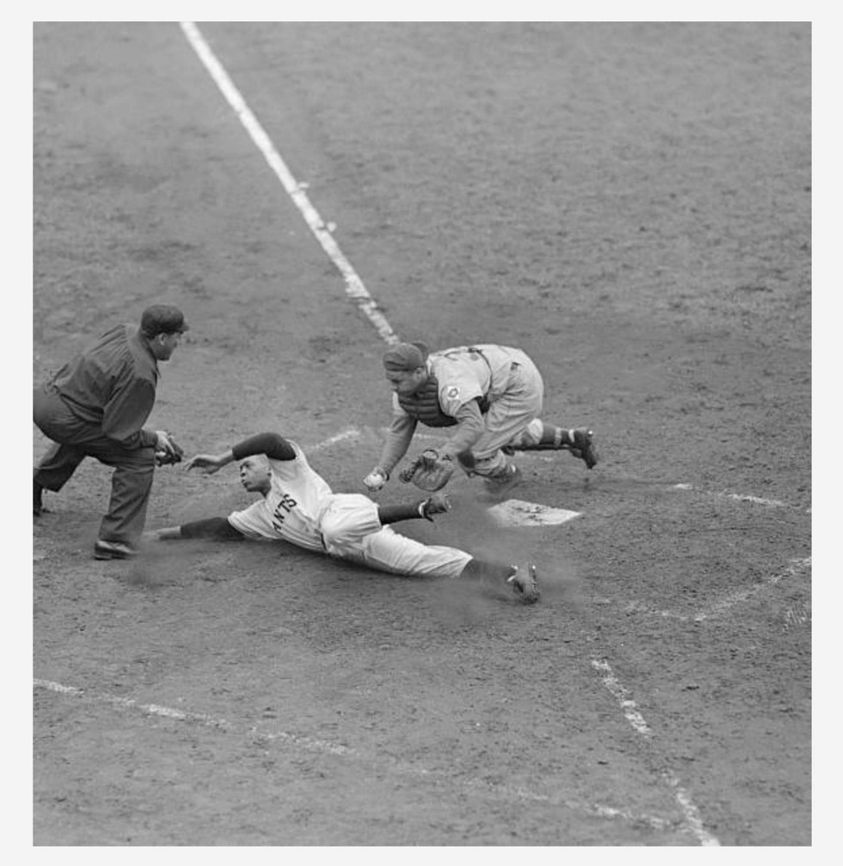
(162, 319)
(405, 356)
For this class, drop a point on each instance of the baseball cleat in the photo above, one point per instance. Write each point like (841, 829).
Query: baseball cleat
(499, 485)
(113, 550)
(583, 446)
(436, 504)
(524, 583)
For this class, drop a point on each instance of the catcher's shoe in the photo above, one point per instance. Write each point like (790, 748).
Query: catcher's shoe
(524, 583)
(583, 446)
(113, 550)
(499, 485)
(436, 504)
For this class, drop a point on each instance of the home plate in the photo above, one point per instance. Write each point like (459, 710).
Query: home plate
(516, 512)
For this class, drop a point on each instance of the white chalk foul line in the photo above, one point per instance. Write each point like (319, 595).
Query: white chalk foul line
(326, 747)
(354, 290)
(690, 813)
(354, 287)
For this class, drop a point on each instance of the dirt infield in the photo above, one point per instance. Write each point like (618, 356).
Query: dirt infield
(629, 203)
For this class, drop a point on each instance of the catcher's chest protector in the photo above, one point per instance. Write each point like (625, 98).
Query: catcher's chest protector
(424, 406)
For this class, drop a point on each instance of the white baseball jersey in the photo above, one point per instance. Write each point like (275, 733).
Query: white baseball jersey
(301, 508)
(293, 507)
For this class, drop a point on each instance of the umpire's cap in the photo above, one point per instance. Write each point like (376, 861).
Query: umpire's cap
(162, 319)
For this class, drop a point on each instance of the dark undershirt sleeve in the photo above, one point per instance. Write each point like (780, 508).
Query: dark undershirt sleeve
(212, 527)
(274, 446)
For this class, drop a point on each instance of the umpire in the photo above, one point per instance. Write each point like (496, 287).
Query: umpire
(96, 406)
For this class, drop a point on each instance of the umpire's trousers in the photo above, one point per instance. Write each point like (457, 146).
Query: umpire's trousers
(73, 441)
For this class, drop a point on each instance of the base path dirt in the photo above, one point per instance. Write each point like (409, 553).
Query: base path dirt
(630, 203)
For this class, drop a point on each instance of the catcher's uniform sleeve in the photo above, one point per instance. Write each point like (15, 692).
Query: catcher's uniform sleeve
(398, 438)
(460, 382)
(469, 429)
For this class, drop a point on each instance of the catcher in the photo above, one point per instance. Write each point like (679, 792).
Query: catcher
(96, 406)
(297, 505)
(492, 397)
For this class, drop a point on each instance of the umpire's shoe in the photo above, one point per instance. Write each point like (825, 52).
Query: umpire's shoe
(583, 446)
(113, 550)
(524, 583)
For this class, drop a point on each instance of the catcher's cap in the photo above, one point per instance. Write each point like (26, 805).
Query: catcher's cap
(162, 319)
(405, 356)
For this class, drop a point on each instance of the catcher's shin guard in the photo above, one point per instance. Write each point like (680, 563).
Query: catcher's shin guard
(579, 441)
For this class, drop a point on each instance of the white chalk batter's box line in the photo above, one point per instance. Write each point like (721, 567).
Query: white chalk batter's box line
(326, 747)
(795, 569)
(692, 822)
(738, 497)
(512, 512)
(516, 512)
(690, 488)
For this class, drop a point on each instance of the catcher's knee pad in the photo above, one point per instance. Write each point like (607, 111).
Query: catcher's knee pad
(530, 435)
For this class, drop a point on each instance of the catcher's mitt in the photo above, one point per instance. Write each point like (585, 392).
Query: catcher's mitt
(167, 457)
(430, 471)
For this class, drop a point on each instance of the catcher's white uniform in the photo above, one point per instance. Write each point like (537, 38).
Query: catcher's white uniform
(301, 508)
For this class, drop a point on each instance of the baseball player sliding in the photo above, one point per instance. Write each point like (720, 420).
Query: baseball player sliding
(492, 397)
(297, 505)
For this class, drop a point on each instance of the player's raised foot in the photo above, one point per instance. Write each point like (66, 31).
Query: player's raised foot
(438, 503)
(113, 550)
(524, 583)
(583, 446)
(497, 486)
